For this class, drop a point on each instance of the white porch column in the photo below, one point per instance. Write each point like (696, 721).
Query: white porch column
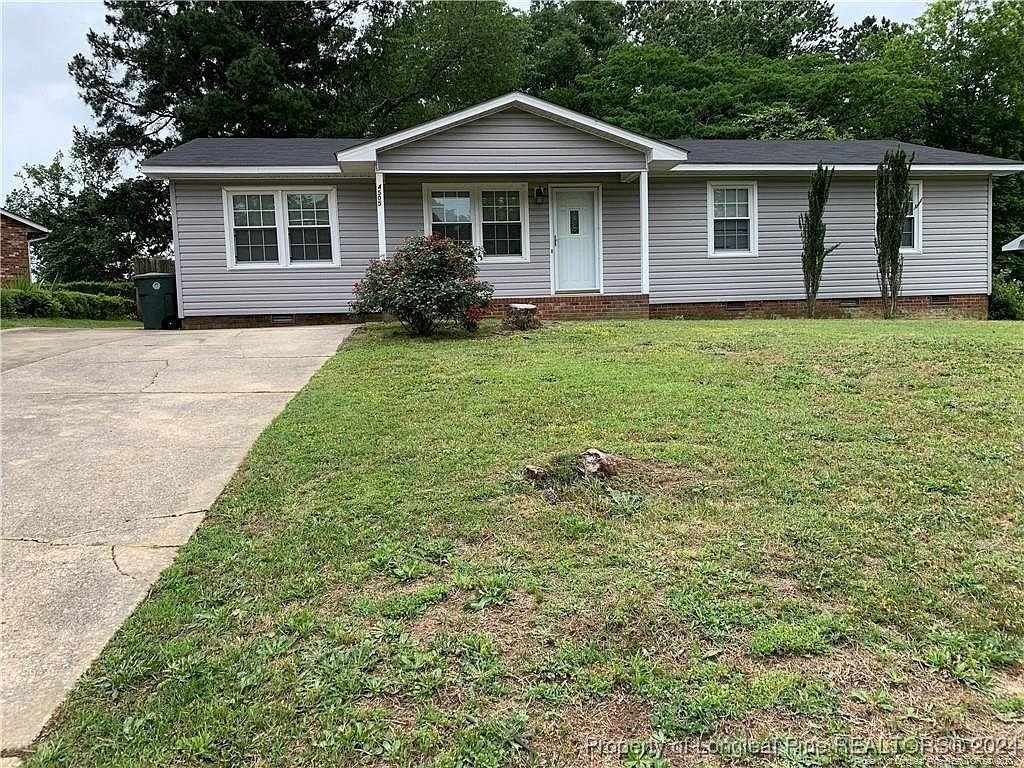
(382, 238)
(645, 244)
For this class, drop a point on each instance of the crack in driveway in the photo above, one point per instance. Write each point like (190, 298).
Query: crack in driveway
(113, 559)
(156, 373)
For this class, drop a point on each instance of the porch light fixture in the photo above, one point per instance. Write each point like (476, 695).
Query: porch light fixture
(540, 195)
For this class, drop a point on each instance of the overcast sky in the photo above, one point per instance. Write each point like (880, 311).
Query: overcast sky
(40, 101)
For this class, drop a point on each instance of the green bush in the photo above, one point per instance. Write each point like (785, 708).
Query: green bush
(1007, 299)
(37, 302)
(124, 288)
(31, 302)
(428, 281)
(8, 306)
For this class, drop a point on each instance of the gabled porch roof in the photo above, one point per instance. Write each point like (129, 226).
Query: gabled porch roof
(659, 155)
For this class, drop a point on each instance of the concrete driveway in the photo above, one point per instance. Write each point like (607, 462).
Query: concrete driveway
(115, 443)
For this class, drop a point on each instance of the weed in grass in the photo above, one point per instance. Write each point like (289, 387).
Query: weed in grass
(773, 688)
(877, 699)
(809, 636)
(644, 755)
(487, 742)
(490, 592)
(575, 668)
(1009, 709)
(698, 710)
(970, 656)
(624, 503)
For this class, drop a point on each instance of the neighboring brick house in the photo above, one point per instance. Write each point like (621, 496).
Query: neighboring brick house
(15, 234)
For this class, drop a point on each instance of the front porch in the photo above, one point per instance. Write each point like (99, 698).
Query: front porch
(543, 236)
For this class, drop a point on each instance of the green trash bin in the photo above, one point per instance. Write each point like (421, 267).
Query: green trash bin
(158, 300)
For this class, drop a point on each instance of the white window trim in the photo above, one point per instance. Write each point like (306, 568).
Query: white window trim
(476, 214)
(751, 187)
(281, 218)
(917, 195)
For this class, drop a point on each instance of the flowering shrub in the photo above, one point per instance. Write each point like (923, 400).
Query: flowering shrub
(429, 280)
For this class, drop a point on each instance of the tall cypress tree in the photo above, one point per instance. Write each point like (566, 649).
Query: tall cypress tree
(812, 233)
(892, 193)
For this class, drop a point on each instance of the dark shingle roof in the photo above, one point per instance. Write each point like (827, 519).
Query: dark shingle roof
(832, 152)
(285, 152)
(317, 152)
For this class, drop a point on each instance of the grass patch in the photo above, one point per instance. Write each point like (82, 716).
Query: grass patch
(818, 533)
(64, 322)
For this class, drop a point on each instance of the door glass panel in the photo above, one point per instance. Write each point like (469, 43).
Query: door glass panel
(574, 222)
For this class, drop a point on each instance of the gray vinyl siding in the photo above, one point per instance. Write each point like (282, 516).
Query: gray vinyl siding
(512, 140)
(620, 221)
(208, 287)
(954, 256)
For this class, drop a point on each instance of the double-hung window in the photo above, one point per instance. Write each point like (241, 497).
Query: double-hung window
(492, 217)
(281, 227)
(255, 228)
(732, 218)
(502, 223)
(451, 214)
(911, 241)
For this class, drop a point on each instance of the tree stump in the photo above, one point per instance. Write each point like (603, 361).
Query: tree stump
(595, 463)
(522, 317)
(536, 475)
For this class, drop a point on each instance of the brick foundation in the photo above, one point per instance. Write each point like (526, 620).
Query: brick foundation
(965, 306)
(13, 250)
(580, 306)
(636, 306)
(208, 322)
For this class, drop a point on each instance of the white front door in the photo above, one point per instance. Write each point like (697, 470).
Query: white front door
(575, 240)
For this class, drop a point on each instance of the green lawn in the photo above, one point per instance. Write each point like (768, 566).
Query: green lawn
(64, 322)
(818, 532)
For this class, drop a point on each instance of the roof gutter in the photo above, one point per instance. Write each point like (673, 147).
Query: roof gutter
(993, 169)
(41, 231)
(179, 171)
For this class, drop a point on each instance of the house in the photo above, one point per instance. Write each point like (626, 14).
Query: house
(579, 216)
(15, 234)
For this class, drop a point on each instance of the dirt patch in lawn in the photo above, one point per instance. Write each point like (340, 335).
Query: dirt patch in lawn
(588, 732)
(512, 625)
(880, 698)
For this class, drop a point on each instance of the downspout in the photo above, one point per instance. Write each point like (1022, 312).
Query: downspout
(177, 256)
(645, 245)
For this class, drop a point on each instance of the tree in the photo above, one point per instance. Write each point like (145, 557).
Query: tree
(892, 193)
(568, 39)
(98, 221)
(867, 38)
(972, 54)
(422, 60)
(780, 121)
(770, 28)
(165, 72)
(812, 233)
(659, 91)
